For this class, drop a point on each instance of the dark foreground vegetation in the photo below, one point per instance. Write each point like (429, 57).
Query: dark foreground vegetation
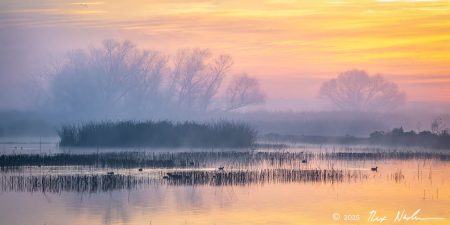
(206, 159)
(103, 172)
(92, 183)
(398, 136)
(158, 134)
(99, 160)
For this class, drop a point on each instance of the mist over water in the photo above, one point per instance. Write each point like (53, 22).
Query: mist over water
(224, 112)
(86, 84)
(120, 80)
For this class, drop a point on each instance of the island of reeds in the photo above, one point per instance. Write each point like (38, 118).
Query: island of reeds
(158, 134)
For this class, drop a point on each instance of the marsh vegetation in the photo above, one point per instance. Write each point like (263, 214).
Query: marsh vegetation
(100, 172)
(208, 159)
(91, 183)
(158, 134)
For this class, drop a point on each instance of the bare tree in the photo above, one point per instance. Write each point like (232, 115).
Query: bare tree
(196, 77)
(356, 90)
(107, 80)
(117, 80)
(243, 91)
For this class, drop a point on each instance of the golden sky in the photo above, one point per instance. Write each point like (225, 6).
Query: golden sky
(292, 46)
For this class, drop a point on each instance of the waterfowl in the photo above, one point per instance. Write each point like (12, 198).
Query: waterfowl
(374, 168)
(304, 161)
(175, 176)
(140, 169)
(110, 173)
(221, 168)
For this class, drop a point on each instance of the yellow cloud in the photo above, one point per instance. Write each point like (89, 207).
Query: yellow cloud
(269, 38)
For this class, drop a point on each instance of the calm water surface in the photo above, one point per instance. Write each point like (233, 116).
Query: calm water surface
(400, 184)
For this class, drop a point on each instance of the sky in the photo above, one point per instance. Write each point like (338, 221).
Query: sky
(291, 46)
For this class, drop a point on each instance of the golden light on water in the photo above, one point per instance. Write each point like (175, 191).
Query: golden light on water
(399, 185)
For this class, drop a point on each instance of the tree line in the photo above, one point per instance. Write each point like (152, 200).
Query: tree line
(437, 137)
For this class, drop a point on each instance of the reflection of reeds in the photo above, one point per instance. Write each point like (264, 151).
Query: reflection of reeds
(398, 176)
(102, 183)
(74, 183)
(189, 168)
(243, 177)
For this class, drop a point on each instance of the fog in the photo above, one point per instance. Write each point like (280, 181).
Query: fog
(118, 80)
(59, 67)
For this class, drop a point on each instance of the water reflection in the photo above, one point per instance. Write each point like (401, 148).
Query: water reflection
(272, 188)
(92, 183)
(281, 203)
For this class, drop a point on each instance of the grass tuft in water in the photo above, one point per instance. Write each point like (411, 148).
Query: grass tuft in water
(158, 134)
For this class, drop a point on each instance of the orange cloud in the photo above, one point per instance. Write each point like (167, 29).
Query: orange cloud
(278, 40)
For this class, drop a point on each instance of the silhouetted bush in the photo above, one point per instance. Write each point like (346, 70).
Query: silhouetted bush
(158, 134)
(399, 137)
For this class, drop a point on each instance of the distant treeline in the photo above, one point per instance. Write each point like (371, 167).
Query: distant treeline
(158, 134)
(422, 139)
(396, 137)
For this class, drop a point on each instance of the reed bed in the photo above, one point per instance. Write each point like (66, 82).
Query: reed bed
(101, 160)
(214, 168)
(69, 183)
(245, 177)
(235, 159)
(158, 134)
(102, 183)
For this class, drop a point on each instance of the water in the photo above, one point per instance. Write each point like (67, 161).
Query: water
(417, 182)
